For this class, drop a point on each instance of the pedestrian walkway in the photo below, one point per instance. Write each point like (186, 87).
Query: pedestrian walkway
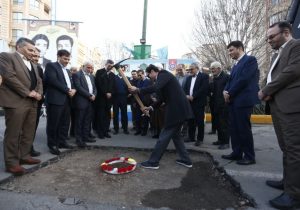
(251, 178)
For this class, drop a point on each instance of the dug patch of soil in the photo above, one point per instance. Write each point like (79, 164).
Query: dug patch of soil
(78, 175)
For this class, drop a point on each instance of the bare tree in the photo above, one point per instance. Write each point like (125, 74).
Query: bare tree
(114, 50)
(222, 21)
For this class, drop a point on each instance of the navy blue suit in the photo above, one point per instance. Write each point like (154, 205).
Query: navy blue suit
(58, 104)
(242, 88)
(83, 105)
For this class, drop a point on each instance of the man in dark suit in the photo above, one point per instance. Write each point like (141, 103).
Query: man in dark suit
(282, 90)
(35, 60)
(219, 107)
(105, 80)
(58, 95)
(241, 95)
(86, 93)
(120, 98)
(196, 89)
(142, 121)
(19, 94)
(177, 110)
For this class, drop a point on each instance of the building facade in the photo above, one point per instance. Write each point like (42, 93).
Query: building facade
(13, 15)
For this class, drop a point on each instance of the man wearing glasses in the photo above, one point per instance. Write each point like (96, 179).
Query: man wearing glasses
(281, 91)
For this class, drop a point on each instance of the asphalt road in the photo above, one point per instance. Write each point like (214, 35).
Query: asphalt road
(251, 178)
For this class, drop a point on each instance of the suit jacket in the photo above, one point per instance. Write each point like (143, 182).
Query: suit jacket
(218, 86)
(242, 85)
(57, 89)
(177, 108)
(200, 90)
(285, 86)
(105, 83)
(82, 96)
(16, 81)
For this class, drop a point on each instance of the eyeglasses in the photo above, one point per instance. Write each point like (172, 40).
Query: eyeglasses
(273, 36)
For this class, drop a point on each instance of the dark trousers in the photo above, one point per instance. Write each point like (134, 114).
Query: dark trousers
(197, 122)
(288, 134)
(72, 117)
(120, 103)
(142, 122)
(168, 133)
(222, 121)
(83, 123)
(104, 117)
(58, 123)
(241, 132)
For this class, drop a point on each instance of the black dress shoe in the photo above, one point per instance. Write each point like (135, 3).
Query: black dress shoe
(107, 135)
(92, 136)
(65, 146)
(198, 143)
(212, 132)
(245, 162)
(137, 133)
(89, 140)
(101, 136)
(189, 140)
(126, 132)
(285, 201)
(115, 132)
(155, 136)
(231, 157)
(275, 184)
(54, 150)
(216, 143)
(34, 153)
(143, 133)
(81, 144)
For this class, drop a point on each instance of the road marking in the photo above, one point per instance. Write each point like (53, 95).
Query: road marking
(256, 174)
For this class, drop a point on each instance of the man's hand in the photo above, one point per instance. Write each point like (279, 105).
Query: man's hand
(92, 98)
(38, 97)
(146, 110)
(72, 92)
(226, 96)
(190, 98)
(263, 96)
(108, 95)
(133, 89)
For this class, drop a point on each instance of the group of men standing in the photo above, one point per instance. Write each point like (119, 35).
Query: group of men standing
(234, 96)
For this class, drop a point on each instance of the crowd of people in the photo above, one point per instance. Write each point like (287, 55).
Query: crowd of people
(173, 106)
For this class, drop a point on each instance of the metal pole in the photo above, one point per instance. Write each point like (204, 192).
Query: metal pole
(53, 14)
(143, 50)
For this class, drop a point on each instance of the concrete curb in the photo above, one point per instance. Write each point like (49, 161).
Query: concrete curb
(255, 118)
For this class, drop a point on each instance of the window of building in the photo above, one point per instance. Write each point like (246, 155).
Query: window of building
(278, 17)
(35, 4)
(16, 34)
(18, 2)
(46, 9)
(17, 17)
(275, 2)
(33, 17)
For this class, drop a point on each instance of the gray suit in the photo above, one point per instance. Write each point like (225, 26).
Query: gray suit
(20, 110)
(285, 109)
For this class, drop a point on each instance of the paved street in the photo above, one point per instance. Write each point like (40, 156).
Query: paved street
(251, 178)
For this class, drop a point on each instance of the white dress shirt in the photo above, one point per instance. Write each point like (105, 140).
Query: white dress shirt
(89, 82)
(67, 78)
(193, 84)
(26, 61)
